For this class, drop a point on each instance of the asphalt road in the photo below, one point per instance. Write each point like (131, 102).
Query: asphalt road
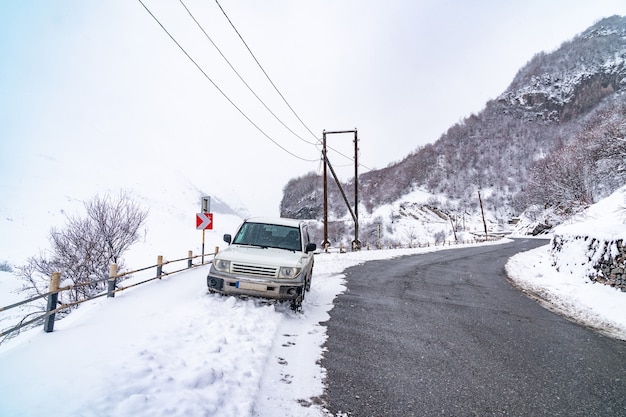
(445, 334)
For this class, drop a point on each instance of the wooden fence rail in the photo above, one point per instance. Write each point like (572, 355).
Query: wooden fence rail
(52, 296)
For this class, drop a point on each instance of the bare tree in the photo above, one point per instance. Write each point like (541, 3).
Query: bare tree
(563, 179)
(83, 250)
(116, 221)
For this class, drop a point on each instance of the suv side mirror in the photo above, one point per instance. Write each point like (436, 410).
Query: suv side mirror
(311, 247)
(227, 238)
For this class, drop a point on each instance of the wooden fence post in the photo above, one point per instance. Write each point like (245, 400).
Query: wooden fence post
(190, 260)
(159, 266)
(112, 280)
(55, 280)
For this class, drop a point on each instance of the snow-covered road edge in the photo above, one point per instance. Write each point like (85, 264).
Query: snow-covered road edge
(593, 305)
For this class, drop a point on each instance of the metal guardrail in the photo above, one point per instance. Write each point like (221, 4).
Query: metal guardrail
(379, 246)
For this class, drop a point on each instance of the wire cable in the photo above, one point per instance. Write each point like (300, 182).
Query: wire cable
(240, 77)
(276, 88)
(350, 158)
(264, 72)
(219, 89)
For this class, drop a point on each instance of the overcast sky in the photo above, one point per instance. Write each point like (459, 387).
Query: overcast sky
(96, 93)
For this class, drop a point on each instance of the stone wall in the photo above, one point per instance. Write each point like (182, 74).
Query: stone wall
(602, 261)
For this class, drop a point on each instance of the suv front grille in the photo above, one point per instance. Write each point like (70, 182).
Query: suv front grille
(255, 270)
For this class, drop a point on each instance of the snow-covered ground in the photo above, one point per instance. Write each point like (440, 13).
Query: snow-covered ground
(591, 304)
(168, 348)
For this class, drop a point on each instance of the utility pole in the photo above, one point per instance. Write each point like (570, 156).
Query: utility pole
(480, 200)
(325, 243)
(356, 243)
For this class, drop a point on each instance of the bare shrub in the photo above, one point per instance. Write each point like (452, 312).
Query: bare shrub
(85, 247)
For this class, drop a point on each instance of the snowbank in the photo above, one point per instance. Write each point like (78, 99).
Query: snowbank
(592, 245)
(592, 304)
(588, 249)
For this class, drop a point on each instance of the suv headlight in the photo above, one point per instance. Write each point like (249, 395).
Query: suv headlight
(289, 272)
(221, 265)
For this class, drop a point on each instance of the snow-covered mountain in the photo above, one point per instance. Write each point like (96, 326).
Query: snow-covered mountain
(554, 138)
(574, 78)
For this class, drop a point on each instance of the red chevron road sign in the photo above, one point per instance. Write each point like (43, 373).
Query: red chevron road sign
(204, 221)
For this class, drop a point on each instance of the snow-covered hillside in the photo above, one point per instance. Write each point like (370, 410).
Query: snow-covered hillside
(170, 229)
(417, 218)
(171, 198)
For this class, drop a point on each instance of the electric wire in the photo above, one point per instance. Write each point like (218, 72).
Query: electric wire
(240, 77)
(219, 89)
(264, 72)
(276, 88)
(350, 158)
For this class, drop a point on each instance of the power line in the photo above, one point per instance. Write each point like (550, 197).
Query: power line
(240, 77)
(349, 158)
(264, 72)
(276, 88)
(219, 89)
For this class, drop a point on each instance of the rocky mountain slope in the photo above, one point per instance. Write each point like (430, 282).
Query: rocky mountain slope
(554, 138)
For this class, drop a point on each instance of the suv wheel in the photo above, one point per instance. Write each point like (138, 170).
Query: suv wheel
(296, 303)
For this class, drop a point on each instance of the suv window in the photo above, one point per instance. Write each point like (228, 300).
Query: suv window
(269, 236)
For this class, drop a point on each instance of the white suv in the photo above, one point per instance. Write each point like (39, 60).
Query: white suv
(268, 258)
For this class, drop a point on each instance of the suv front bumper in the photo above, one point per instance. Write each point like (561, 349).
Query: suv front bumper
(229, 284)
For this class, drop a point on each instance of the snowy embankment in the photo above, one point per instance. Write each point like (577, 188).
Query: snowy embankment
(594, 305)
(558, 275)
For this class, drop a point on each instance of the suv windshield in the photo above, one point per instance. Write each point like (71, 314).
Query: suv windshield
(269, 236)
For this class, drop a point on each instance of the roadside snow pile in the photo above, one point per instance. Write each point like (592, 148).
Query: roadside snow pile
(593, 245)
(563, 275)
(594, 305)
(160, 350)
(168, 348)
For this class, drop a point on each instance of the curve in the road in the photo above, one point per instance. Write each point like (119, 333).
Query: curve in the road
(444, 333)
